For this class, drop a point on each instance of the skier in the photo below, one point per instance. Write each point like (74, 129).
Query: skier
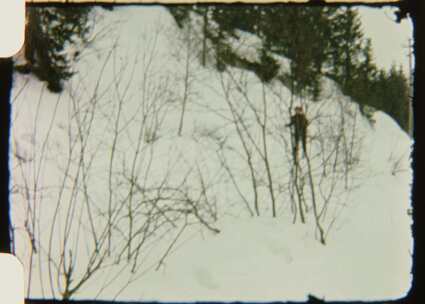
(299, 122)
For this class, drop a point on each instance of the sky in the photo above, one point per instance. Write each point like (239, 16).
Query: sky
(390, 39)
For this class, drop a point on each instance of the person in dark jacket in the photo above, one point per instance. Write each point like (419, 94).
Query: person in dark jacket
(299, 122)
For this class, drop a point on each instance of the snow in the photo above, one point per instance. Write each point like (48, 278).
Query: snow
(266, 259)
(248, 46)
(368, 248)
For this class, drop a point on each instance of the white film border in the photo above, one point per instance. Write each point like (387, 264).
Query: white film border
(11, 280)
(12, 26)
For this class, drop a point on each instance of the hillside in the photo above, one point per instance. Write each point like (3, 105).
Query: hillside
(119, 203)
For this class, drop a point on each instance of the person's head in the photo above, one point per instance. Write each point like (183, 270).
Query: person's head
(298, 110)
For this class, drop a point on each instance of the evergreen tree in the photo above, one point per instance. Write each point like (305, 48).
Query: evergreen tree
(306, 43)
(394, 96)
(49, 33)
(361, 85)
(345, 45)
(180, 13)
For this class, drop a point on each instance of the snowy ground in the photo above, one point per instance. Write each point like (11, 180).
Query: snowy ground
(136, 72)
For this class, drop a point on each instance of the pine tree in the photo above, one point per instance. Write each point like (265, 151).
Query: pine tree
(395, 96)
(308, 49)
(49, 33)
(346, 42)
(180, 13)
(364, 74)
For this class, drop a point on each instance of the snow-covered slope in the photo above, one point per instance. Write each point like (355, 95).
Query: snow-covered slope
(127, 98)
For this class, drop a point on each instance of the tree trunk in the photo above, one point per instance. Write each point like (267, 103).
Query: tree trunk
(204, 39)
(186, 82)
(265, 151)
(313, 197)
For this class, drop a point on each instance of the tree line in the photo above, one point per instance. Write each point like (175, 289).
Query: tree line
(319, 41)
